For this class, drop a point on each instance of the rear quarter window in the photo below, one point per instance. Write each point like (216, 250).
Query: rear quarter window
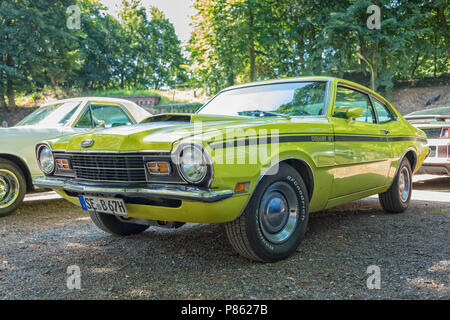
(384, 114)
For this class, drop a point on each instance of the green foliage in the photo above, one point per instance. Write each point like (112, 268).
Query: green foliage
(37, 49)
(235, 41)
(35, 46)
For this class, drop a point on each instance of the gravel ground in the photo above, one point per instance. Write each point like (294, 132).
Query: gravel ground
(412, 250)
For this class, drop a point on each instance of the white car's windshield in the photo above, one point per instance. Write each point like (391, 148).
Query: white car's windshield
(272, 100)
(55, 115)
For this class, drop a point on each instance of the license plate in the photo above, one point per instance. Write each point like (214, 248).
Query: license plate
(105, 205)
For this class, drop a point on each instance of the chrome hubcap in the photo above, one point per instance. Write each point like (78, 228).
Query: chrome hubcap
(9, 188)
(404, 184)
(278, 212)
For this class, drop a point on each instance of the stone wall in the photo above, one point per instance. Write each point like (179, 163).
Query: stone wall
(15, 115)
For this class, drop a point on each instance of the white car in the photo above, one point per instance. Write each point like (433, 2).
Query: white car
(436, 125)
(18, 164)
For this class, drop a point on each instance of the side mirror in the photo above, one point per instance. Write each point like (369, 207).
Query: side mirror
(353, 113)
(348, 112)
(101, 124)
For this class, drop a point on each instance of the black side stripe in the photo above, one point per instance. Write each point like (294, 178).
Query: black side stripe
(247, 141)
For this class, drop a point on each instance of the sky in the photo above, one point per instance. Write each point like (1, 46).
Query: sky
(177, 11)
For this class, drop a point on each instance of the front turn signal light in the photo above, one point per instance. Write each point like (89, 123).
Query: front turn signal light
(159, 168)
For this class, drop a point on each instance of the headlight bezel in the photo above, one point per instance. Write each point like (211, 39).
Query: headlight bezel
(39, 150)
(207, 177)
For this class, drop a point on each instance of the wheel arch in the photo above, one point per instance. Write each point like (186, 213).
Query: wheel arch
(411, 155)
(22, 165)
(305, 171)
(300, 165)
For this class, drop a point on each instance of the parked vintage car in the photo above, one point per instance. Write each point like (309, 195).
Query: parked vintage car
(17, 144)
(435, 123)
(258, 157)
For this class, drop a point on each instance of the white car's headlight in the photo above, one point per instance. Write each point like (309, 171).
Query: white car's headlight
(46, 160)
(193, 164)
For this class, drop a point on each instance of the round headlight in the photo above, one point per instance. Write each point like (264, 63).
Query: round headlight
(193, 165)
(46, 161)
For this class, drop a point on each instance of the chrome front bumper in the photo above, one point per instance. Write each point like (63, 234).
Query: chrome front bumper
(146, 190)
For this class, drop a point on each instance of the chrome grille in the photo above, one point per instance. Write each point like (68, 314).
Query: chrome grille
(107, 167)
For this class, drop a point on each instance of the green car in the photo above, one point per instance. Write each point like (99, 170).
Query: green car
(259, 158)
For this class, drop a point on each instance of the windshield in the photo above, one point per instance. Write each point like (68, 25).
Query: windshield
(291, 99)
(55, 115)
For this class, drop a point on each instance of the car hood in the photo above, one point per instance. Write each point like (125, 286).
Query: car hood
(162, 132)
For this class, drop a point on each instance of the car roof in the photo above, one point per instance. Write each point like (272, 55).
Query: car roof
(80, 99)
(442, 111)
(284, 80)
(139, 113)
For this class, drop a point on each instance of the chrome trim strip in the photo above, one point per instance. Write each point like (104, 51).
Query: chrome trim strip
(179, 192)
(149, 152)
(105, 168)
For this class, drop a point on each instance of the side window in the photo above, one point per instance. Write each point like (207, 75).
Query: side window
(383, 112)
(85, 120)
(348, 98)
(113, 116)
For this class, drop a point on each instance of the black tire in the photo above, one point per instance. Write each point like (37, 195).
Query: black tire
(249, 234)
(397, 198)
(112, 224)
(13, 187)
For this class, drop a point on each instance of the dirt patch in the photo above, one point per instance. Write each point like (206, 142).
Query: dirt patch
(415, 99)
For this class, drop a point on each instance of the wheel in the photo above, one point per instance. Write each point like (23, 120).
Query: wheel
(112, 224)
(13, 187)
(398, 196)
(275, 219)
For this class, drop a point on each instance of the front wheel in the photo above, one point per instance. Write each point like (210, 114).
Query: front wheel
(398, 196)
(112, 224)
(275, 220)
(13, 187)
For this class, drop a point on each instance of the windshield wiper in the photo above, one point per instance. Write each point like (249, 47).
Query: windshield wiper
(266, 112)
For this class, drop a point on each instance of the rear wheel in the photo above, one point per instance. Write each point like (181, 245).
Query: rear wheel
(398, 197)
(112, 224)
(274, 222)
(13, 187)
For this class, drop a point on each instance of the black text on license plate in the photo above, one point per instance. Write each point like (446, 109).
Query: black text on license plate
(105, 205)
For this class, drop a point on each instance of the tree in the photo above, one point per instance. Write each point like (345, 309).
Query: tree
(35, 45)
(155, 51)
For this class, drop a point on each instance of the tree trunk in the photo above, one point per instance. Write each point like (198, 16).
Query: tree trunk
(9, 85)
(251, 45)
(10, 94)
(2, 101)
(444, 27)
(300, 49)
(416, 64)
(230, 76)
(52, 79)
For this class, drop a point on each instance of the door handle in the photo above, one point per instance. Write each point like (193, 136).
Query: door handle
(386, 131)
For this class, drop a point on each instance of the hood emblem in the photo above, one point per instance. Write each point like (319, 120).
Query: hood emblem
(87, 143)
